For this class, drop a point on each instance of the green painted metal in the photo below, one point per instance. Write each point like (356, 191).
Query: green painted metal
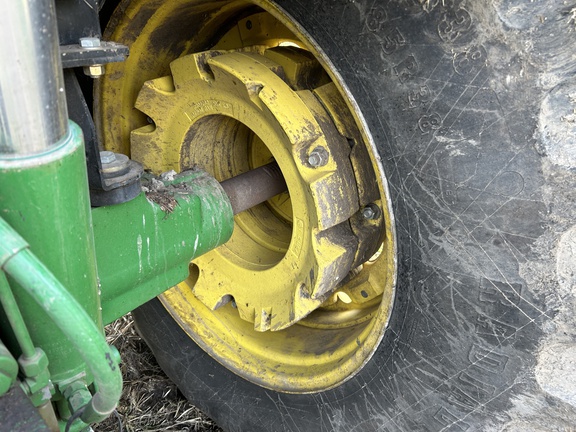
(15, 319)
(45, 199)
(55, 219)
(144, 246)
(71, 319)
(36, 377)
(48, 251)
(76, 395)
(33, 361)
(8, 369)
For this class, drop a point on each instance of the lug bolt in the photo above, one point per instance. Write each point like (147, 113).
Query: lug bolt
(107, 157)
(97, 70)
(370, 212)
(318, 157)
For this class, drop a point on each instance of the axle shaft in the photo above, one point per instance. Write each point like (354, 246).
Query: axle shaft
(254, 187)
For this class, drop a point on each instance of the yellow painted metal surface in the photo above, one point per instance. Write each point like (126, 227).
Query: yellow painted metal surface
(299, 298)
(235, 97)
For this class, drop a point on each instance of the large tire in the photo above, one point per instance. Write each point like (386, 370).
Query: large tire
(468, 102)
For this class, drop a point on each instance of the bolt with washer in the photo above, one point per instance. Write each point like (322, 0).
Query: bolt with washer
(97, 70)
(318, 157)
(371, 212)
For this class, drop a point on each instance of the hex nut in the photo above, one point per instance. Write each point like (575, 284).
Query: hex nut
(69, 389)
(39, 383)
(94, 71)
(371, 212)
(89, 42)
(107, 157)
(33, 366)
(318, 157)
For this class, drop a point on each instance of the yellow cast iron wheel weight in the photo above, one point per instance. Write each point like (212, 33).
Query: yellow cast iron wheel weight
(298, 300)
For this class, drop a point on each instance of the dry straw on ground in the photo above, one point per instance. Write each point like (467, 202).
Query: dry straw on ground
(150, 401)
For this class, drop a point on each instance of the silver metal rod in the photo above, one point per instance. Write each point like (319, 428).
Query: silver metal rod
(254, 187)
(33, 114)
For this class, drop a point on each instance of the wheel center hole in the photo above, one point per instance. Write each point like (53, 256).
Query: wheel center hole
(225, 148)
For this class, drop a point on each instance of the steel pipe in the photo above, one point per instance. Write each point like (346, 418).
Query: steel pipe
(254, 187)
(33, 113)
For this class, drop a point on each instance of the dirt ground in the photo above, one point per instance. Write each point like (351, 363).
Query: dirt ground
(150, 401)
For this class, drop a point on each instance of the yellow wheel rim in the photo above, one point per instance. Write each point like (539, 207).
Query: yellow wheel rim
(298, 300)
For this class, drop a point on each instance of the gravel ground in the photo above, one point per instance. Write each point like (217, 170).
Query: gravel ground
(150, 401)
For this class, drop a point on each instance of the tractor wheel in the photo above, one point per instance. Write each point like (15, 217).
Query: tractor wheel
(418, 273)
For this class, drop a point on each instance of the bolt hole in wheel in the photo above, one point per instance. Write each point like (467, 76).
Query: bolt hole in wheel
(298, 300)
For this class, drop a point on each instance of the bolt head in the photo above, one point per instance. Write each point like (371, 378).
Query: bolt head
(107, 157)
(318, 157)
(367, 213)
(89, 42)
(314, 160)
(371, 211)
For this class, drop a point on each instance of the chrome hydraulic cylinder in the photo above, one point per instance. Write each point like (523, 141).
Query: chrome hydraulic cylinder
(33, 114)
